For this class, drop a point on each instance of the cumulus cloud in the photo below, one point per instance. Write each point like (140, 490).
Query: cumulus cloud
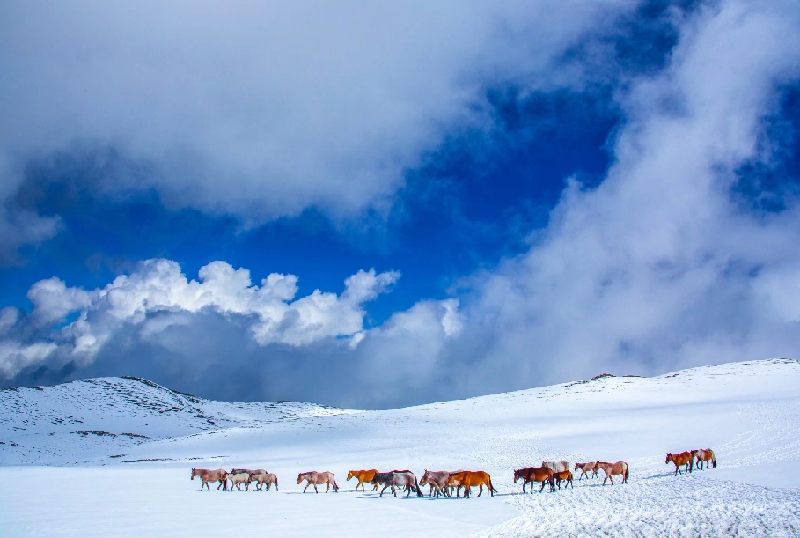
(158, 295)
(260, 110)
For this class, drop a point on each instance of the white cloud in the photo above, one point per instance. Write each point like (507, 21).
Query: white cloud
(260, 110)
(659, 267)
(158, 286)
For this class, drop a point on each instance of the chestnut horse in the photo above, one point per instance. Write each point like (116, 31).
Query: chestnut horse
(314, 478)
(362, 477)
(564, 476)
(705, 455)
(684, 458)
(620, 468)
(586, 468)
(544, 475)
(208, 475)
(470, 479)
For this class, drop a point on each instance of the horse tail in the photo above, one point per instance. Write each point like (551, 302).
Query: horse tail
(416, 485)
(491, 487)
(713, 458)
(335, 487)
(624, 473)
(276, 482)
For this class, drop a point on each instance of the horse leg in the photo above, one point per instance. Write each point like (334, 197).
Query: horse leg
(480, 490)
(315, 488)
(384, 489)
(541, 488)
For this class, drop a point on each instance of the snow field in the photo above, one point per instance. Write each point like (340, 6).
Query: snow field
(747, 412)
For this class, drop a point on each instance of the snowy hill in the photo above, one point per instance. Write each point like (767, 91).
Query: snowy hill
(747, 412)
(94, 418)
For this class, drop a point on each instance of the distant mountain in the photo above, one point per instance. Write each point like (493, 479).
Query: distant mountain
(87, 419)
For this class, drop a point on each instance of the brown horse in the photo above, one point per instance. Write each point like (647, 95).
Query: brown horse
(314, 478)
(684, 458)
(208, 475)
(564, 476)
(362, 477)
(470, 479)
(704, 455)
(620, 468)
(544, 475)
(586, 468)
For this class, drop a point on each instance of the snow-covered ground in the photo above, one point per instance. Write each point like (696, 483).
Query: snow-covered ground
(131, 476)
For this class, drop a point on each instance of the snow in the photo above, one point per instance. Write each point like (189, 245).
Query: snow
(68, 484)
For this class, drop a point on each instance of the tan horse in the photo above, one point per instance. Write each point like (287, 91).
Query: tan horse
(470, 479)
(208, 475)
(314, 478)
(544, 475)
(704, 455)
(586, 468)
(620, 468)
(264, 478)
(684, 458)
(362, 477)
(237, 479)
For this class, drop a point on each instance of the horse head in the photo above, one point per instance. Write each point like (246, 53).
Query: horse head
(669, 458)
(350, 475)
(517, 474)
(193, 472)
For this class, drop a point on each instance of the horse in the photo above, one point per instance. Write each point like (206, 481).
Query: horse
(438, 480)
(237, 479)
(588, 467)
(207, 475)
(684, 458)
(470, 479)
(544, 475)
(264, 478)
(556, 466)
(362, 477)
(620, 468)
(563, 476)
(314, 478)
(453, 483)
(704, 455)
(404, 479)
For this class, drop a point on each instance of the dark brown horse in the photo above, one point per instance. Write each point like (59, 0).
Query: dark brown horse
(544, 475)
(209, 475)
(684, 458)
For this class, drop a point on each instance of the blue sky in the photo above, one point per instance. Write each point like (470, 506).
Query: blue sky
(542, 190)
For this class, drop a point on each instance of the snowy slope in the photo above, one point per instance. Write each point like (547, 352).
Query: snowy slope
(84, 420)
(746, 411)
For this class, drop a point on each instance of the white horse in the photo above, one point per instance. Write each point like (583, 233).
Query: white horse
(556, 466)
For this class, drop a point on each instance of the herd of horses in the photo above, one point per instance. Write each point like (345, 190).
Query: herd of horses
(444, 483)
